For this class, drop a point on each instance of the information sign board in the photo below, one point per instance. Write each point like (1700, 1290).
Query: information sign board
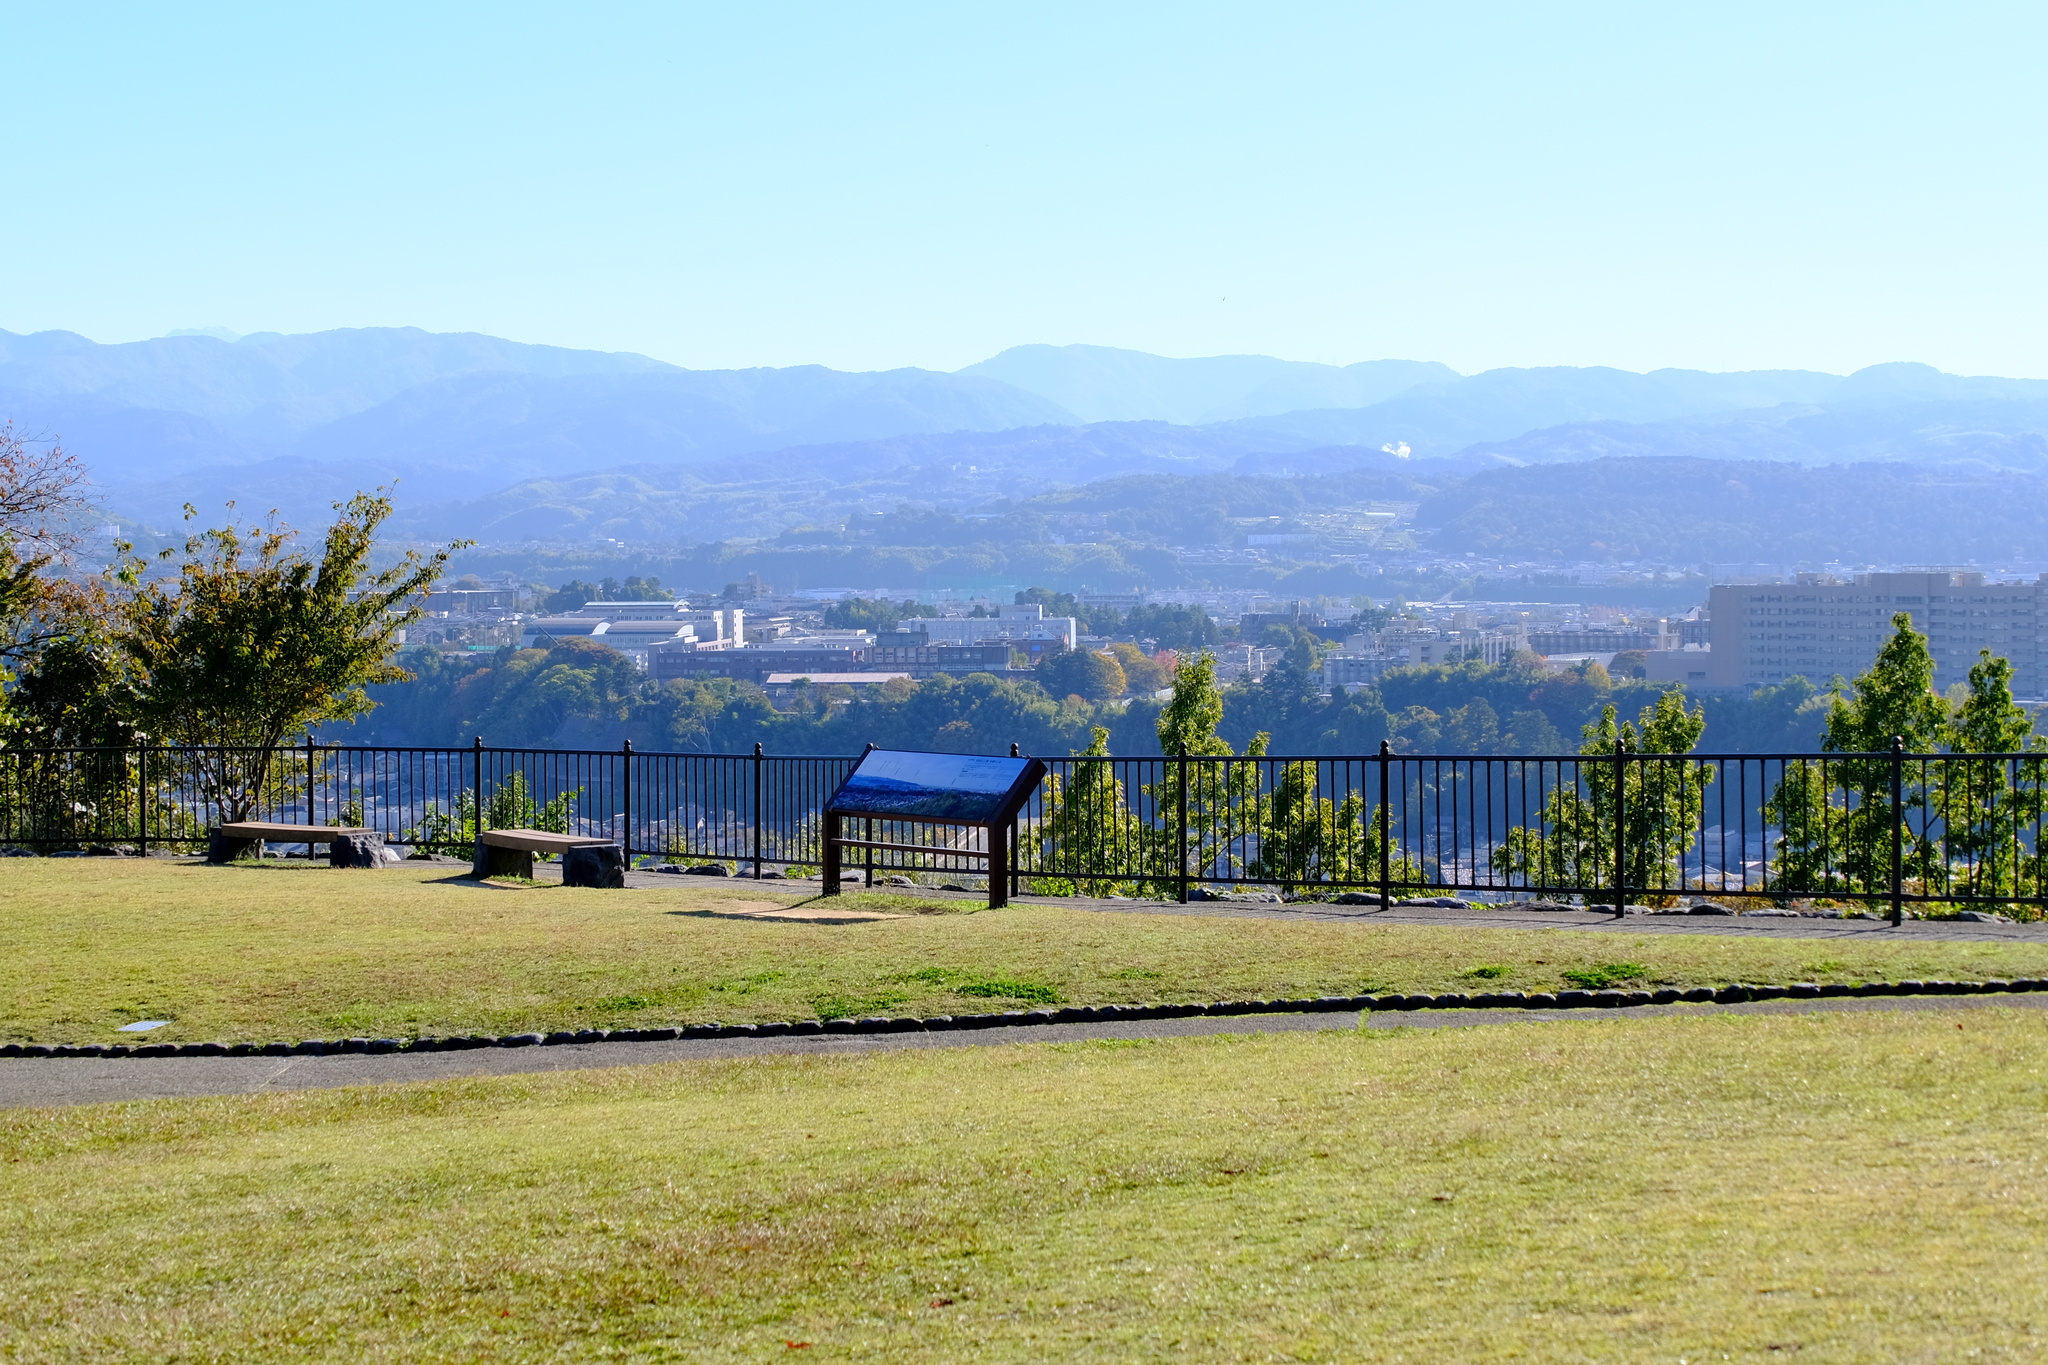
(964, 789)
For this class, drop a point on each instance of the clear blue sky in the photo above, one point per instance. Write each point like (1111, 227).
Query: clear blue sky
(1715, 185)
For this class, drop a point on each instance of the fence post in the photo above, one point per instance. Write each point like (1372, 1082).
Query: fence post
(1386, 828)
(309, 787)
(828, 854)
(476, 789)
(142, 797)
(1620, 828)
(1016, 878)
(1181, 821)
(757, 810)
(1898, 828)
(626, 784)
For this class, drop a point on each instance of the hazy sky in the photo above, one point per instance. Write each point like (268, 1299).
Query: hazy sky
(1715, 185)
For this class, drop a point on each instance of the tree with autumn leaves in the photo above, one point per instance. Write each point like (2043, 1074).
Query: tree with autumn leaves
(222, 647)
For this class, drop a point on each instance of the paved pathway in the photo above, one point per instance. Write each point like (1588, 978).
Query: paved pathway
(87, 1080)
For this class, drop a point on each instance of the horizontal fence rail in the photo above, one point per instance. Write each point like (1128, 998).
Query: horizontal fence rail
(1884, 830)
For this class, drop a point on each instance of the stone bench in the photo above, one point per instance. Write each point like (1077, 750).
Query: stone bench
(585, 861)
(347, 845)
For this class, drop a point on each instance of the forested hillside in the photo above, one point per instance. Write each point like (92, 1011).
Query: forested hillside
(583, 695)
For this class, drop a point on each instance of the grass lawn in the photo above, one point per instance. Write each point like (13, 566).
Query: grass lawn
(1836, 1187)
(296, 951)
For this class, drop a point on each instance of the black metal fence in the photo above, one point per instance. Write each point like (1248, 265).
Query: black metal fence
(1887, 830)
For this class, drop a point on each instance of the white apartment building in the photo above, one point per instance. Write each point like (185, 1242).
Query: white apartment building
(1025, 622)
(1816, 628)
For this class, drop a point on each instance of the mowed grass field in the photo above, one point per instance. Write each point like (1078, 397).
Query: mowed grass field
(287, 952)
(1845, 1187)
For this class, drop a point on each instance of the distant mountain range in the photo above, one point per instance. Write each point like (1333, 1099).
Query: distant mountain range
(1102, 384)
(505, 441)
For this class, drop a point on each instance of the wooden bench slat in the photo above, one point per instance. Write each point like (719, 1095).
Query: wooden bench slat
(538, 840)
(289, 834)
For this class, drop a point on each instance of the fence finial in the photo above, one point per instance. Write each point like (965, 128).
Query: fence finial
(1014, 751)
(1386, 748)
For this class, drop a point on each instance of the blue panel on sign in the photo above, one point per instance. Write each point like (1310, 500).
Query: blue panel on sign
(968, 788)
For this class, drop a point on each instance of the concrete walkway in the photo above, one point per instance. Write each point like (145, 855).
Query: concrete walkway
(26, 1082)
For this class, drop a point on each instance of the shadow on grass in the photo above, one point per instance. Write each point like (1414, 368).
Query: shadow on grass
(471, 882)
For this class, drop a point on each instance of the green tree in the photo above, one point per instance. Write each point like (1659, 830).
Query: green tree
(1306, 838)
(1142, 672)
(1660, 807)
(875, 614)
(252, 640)
(1091, 840)
(1221, 799)
(1835, 817)
(1990, 805)
(1081, 673)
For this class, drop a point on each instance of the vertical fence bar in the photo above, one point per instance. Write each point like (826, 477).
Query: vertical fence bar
(757, 810)
(1180, 824)
(1620, 828)
(1386, 822)
(1898, 829)
(142, 800)
(476, 788)
(626, 799)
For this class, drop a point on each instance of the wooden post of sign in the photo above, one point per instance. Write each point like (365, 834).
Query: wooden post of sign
(997, 839)
(831, 836)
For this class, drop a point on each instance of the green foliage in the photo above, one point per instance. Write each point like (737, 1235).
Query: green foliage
(1488, 971)
(1031, 992)
(863, 613)
(1783, 718)
(1188, 722)
(1305, 838)
(1628, 663)
(1082, 673)
(1895, 697)
(1604, 975)
(1835, 819)
(1174, 627)
(576, 593)
(76, 692)
(1090, 838)
(252, 640)
(452, 831)
(977, 986)
(1143, 674)
(1657, 823)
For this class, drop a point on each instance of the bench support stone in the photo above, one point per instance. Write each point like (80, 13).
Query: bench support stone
(492, 861)
(356, 850)
(599, 865)
(228, 848)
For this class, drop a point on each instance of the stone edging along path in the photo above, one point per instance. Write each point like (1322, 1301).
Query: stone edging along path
(1077, 1014)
